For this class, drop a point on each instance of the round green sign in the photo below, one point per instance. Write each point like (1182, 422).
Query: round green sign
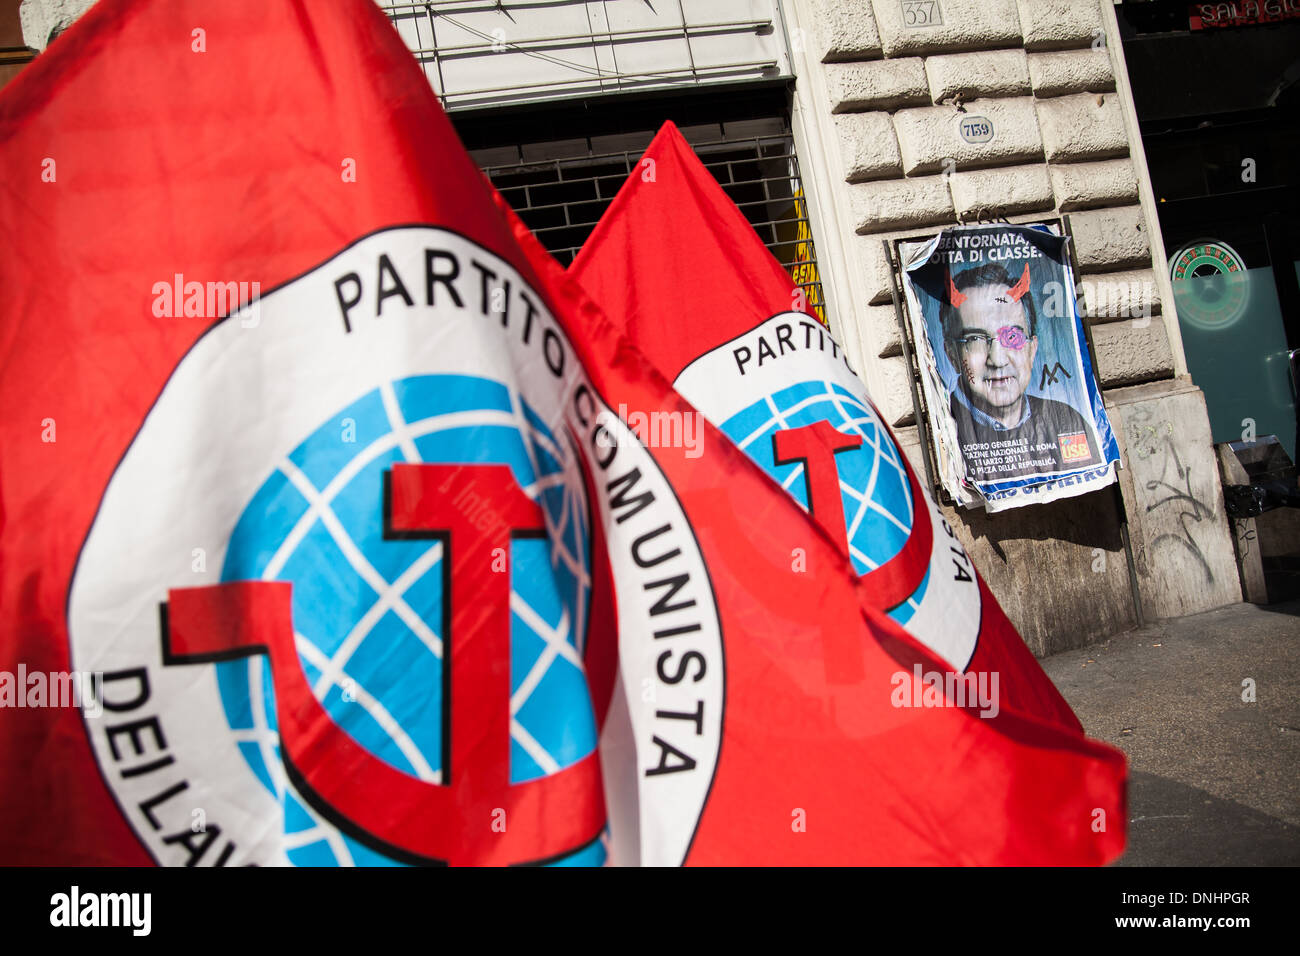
(1210, 283)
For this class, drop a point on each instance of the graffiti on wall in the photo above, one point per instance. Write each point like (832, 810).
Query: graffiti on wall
(1154, 442)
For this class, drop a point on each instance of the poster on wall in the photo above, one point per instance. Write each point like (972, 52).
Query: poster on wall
(1015, 414)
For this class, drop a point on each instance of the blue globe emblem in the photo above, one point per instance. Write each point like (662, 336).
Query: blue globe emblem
(368, 612)
(873, 483)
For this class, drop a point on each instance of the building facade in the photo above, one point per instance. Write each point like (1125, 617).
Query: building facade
(836, 127)
(882, 91)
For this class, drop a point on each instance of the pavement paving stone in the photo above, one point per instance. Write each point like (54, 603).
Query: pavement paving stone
(1214, 778)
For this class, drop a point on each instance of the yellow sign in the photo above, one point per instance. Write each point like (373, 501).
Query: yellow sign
(804, 268)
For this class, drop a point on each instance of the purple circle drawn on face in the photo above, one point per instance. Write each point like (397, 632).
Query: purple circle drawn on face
(1011, 337)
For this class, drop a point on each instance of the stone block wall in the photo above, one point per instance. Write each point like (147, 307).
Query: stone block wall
(1042, 74)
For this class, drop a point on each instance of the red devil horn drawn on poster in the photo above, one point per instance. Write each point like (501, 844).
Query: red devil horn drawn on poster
(955, 297)
(1017, 291)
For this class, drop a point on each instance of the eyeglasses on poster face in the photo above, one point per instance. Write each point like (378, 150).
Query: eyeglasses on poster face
(977, 344)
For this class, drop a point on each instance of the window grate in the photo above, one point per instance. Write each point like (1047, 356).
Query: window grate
(561, 199)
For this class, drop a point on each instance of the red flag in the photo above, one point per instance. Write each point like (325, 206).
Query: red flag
(267, 453)
(747, 348)
(778, 385)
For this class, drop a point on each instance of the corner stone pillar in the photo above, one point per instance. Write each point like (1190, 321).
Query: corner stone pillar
(1182, 542)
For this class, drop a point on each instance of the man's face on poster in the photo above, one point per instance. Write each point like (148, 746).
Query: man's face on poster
(995, 351)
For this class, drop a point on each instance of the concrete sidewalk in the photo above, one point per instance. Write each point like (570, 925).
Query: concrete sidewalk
(1213, 780)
